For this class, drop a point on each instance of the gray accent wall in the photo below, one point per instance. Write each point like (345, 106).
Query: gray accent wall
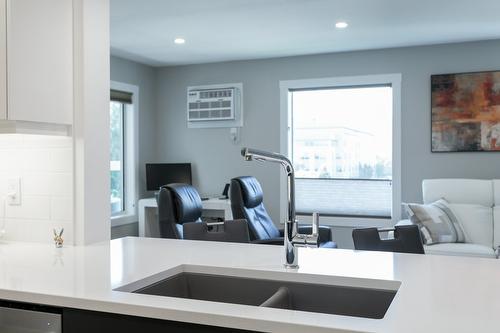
(144, 77)
(216, 159)
(131, 229)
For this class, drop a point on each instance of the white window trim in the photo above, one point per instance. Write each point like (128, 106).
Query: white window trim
(131, 156)
(285, 98)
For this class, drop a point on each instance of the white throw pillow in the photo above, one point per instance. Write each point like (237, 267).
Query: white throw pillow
(436, 221)
(476, 221)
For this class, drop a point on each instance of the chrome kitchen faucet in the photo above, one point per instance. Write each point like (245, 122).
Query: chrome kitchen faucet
(293, 238)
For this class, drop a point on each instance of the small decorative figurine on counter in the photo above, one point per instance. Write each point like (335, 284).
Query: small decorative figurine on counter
(58, 240)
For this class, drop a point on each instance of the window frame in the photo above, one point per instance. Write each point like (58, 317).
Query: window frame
(131, 156)
(394, 80)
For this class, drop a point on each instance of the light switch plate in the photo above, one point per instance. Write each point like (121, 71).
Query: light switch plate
(234, 133)
(14, 191)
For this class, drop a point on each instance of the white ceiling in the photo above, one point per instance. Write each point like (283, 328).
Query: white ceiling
(222, 30)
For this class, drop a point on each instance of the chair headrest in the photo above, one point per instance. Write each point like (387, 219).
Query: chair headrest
(188, 207)
(251, 191)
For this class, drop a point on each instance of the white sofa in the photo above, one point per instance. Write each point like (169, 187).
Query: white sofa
(476, 204)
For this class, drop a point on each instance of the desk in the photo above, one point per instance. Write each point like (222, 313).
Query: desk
(148, 211)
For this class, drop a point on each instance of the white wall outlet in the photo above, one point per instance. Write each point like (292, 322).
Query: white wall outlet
(14, 191)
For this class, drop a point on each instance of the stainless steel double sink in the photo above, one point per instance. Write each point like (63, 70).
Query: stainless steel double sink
(274, 293)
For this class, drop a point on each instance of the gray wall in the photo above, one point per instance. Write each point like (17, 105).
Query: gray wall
(215, 159)
(131, 229)
(144, 77)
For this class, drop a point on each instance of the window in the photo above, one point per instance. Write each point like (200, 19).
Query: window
(123, 153)
(117, 161)
(341, 143)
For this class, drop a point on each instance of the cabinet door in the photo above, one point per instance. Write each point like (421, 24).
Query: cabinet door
(82, 321)
(3, 60)
(40, 60)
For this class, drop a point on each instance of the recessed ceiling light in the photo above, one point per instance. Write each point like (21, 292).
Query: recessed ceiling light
(341, 25)
(179, 40)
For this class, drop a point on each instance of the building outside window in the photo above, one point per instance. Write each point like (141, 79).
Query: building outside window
(117, 153)
(341, 143)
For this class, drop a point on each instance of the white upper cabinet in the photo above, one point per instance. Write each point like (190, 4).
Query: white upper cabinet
(39, 61)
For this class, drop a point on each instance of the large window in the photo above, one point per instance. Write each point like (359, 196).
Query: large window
(123, 153)
(117, 153)
(341, 143)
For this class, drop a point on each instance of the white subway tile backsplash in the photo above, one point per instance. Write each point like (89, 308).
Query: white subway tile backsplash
(10, 160)
(2, 211)
(16, 230)
(36, 160)
(45, 166)
(43, 142)
(48, 184)
(61, 184)
(43, 232)
(61, 209)
(10, 140)
(36, 208)
(61, 160)
(3, 185)
(35, 184)
(36, 231)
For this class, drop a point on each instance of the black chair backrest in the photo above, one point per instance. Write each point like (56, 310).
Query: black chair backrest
(234, 231)
(406, 240)
(177, 204)
(247, 203)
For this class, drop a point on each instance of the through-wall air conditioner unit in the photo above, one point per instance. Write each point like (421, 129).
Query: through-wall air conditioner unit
(214, 106)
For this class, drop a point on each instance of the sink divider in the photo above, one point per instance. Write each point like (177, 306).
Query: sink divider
(281, 299)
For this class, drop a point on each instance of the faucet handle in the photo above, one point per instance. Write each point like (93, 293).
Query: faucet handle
(315, 224)
(313, 238)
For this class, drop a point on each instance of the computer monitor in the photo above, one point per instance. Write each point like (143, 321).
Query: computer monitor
(159, 174)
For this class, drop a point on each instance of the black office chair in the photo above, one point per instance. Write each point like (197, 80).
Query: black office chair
(247, 203)
(177, 204)
(235, 231)
(406, 240)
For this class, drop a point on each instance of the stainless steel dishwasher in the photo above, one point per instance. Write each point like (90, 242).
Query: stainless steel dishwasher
(26, 318)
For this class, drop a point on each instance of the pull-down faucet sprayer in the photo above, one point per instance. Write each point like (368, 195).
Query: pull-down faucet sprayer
(293, 238)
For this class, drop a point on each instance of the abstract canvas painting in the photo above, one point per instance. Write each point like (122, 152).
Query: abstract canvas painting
(466, 112)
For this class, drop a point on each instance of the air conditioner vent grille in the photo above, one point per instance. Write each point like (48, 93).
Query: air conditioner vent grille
(220, 93)
(211, 104)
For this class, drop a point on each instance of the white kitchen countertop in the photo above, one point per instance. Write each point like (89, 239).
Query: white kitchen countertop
(437, 293)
